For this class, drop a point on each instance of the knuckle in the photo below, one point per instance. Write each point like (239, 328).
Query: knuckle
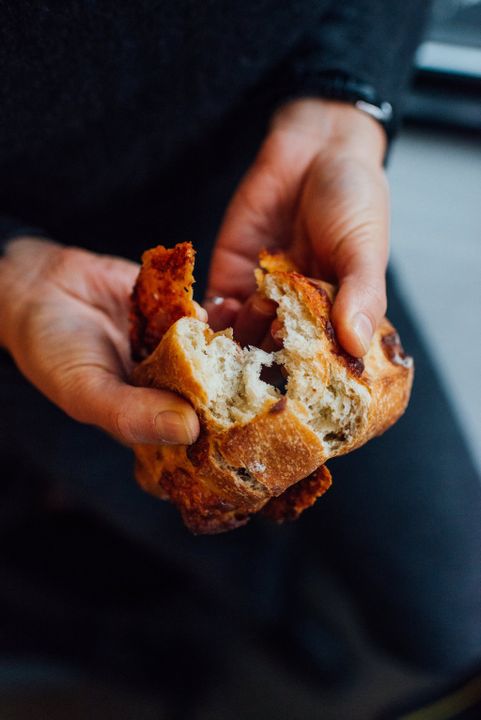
(71, 394)
(119, 424)
(78, 391)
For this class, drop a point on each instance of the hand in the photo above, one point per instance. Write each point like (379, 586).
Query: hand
(65, 322)
(317, 189)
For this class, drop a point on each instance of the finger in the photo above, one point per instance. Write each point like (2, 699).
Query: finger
(276, 332)
(361, 301)
(222, 312)
(254, 319)
(131, 414)
(273, 339)
(347, 211)
(231, 274)
(200, 312)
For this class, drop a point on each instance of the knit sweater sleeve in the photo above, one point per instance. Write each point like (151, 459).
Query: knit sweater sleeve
(359, 50)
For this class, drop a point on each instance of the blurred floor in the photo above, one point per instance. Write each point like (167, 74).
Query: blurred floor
(437, 254)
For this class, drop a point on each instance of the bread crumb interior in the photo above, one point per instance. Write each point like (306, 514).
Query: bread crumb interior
(334, 403)
(229, 374)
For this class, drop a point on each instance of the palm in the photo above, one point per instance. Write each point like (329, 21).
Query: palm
(80, 324)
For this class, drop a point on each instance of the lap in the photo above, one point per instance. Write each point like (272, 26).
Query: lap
(402, 524)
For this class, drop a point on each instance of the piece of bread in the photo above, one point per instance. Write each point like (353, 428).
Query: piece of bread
(161, 295)
(257, 442)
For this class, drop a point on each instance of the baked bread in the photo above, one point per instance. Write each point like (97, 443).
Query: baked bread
(261, 448)
(161, 295)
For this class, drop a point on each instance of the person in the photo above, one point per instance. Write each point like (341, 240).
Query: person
(239, 127)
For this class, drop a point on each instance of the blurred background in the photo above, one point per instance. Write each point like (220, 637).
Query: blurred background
(435, 174)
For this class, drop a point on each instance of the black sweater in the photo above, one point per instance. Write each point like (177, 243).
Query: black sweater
(102, 102)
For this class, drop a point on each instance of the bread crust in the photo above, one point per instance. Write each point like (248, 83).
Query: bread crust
(276, 447)
(210, 497)
(169, 368)
(386, 371)
(161, 295)
(298, 497)
(227, 474)
(275, 461)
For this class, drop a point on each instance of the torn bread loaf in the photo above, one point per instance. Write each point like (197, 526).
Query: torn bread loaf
(258, 441)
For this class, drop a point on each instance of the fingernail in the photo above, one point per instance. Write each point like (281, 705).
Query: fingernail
(363, 328)
(173, 428)
(277, 330)
(215, 300)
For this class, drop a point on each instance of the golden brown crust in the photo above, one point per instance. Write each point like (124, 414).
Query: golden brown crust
(390, 382)
(276, 448)
(228, 475)
(278, 261)
(213, 495)
(168, 367)
(385, 371)
(162, 294)
(210, 495)
(298, 497)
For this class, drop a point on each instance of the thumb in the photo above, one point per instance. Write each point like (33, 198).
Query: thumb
(347, 213)
(132, 415)
(360, 260)
(361, 301)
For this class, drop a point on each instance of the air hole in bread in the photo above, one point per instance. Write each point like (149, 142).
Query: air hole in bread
(229, 374)
(275, 375)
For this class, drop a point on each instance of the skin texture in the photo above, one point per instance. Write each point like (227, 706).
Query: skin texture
(317, 188)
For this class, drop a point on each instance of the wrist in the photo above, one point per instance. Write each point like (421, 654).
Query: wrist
(334, 125)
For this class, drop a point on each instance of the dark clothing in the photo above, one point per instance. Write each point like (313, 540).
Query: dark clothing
(99, 99)
(128, 124)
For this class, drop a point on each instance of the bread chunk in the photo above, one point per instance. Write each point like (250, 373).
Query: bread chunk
(162, 294)
(257, 441)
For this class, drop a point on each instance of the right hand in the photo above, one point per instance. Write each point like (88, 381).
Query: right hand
(65, 323)
(316, 190)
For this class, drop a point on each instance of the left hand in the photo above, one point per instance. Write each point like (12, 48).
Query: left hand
(317, 189)
(65, 323)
